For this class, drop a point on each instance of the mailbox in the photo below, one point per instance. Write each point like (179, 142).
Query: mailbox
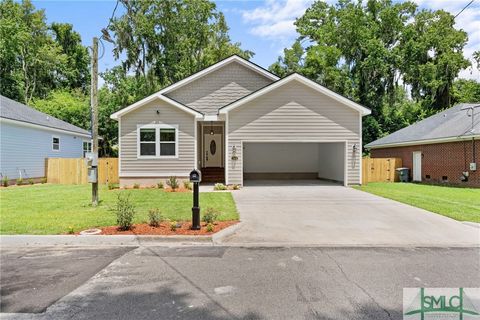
(195, 176)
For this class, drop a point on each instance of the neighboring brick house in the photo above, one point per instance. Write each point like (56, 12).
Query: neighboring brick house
(443, 148)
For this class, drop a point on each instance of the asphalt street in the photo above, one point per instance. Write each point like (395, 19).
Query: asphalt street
(208, 282)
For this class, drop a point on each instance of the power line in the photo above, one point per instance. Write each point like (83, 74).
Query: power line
(464, 8)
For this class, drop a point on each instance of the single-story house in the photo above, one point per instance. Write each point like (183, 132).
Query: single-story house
(440, 149)
(28, 137)
(235, 121)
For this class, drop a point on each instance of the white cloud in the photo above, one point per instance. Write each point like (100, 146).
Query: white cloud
(274, 19)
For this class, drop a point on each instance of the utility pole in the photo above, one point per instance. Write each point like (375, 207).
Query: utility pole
(94, 119)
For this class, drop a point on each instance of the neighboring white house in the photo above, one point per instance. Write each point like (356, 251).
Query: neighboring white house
(28, 137)
(236, 121)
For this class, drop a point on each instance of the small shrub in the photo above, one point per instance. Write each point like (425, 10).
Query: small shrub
(154, 217)
(43, 180)
(5, 181)
(219, 186)
(30, 181)
(210, 215)
(210, 227)
(172, 182)
(125, 212)
(70, 230)
(187, 185)
(112, 186)
(160, 185)
(136, 186)
(173, 225)
(236, 187)
(19, 181)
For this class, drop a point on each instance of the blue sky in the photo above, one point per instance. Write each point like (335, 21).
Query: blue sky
(265, 27)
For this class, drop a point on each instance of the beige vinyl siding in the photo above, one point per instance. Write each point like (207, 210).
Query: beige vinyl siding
(293, 112)
(147, 114)
(219, 88)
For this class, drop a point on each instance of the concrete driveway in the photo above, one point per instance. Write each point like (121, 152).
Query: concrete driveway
(321, 213)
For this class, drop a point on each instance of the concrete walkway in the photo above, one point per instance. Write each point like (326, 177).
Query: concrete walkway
(305, 213)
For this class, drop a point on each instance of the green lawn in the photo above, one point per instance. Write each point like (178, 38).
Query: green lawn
(52, 209)
(461, 204)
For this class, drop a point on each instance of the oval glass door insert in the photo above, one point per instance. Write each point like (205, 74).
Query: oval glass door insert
(213, 147)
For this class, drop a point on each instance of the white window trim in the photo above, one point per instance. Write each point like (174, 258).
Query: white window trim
(59, 144)
(157, 128)
(83, 149)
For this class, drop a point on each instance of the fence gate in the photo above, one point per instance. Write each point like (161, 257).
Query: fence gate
(380, 169)
(74, 171)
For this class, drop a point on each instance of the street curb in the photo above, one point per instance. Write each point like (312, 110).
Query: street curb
(115, 240)
(100, 240)
(471, 224)
(225, 233)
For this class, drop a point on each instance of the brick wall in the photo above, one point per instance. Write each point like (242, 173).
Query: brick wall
(439, 160)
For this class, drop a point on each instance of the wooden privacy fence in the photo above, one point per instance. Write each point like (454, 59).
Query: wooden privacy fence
(74, 171)
(380, 169)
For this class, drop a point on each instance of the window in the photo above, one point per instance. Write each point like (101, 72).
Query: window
(87, 147)
(156, 141)
(56, 143)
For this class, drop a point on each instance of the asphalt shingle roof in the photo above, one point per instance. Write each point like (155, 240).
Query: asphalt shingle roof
(449, 123)
(11, 109)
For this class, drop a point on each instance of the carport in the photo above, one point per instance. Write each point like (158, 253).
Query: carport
(283, 160)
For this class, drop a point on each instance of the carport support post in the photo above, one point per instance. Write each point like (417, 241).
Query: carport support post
(195, 208)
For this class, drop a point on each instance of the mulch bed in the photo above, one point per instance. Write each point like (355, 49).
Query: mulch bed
(164, 229)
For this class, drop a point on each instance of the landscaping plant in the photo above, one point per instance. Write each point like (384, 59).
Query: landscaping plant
(219, 186)
(30, 181)
(236, 187)
(5, 181)
(210, 215)
(172, 182)
(173, 225)
(112, 186)
(43, 180)
(210, 227)
(19, 181)
(187, 185)
(160, 185)
(125, 211)
(154, 217)
(136, 186)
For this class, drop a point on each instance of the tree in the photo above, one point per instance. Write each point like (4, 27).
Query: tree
(32, 61)
(466, 91)
(76, 72)
(372, 51)
(72, 106)
(166, 40)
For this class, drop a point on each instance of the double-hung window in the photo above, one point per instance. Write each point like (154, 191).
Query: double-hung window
(55, 143)
(87, 147)
(157, 141)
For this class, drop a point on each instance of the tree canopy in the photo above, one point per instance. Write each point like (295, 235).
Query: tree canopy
(391, 57)
(35, 57)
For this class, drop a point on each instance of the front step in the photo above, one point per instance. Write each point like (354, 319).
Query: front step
(213, 175)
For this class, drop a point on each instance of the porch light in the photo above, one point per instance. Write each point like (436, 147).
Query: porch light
(211, 129)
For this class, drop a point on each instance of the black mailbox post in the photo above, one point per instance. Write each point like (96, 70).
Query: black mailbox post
(195, 177)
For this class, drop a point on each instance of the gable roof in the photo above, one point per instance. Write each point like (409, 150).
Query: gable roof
(447, 125)
(13, 110)
(299, 78)
(152, 97)
(162, 93)
(216, 66)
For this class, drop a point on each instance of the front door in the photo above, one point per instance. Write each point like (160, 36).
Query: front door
(212, 150)
(417, 166)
